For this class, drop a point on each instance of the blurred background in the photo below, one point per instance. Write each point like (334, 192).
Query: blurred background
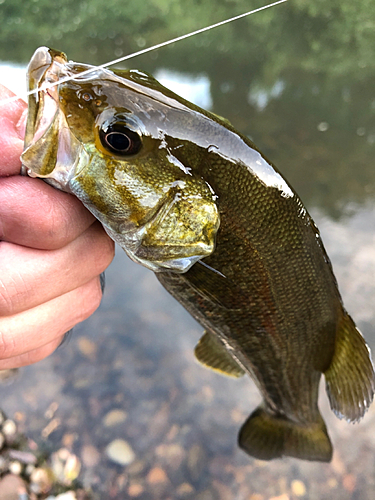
(298, 79)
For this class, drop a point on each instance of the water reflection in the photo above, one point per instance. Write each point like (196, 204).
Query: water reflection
(13, 76)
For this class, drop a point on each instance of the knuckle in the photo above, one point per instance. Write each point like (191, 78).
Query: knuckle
(12, 293)
(53, 227)
(91, 295)
(102, 246)
(96, 295)
(7, 345)
(5, 301)
(108, 252)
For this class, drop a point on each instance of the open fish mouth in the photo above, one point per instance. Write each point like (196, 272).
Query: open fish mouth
(51, 150)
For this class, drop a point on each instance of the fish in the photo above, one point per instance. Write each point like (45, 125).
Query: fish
(196, 202)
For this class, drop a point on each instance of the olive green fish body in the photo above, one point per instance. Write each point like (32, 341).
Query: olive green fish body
(195, 201)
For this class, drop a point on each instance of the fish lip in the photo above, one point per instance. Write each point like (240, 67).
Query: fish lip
(46, 125)
(46, 67)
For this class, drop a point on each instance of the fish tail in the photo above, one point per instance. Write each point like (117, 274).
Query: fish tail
(350, 378)
(266, 436)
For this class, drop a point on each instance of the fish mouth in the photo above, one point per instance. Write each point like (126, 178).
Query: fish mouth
(51, 151)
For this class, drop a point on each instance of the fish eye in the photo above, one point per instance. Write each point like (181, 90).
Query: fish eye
(120, 140)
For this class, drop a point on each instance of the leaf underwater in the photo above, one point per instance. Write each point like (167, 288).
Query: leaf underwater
(187, 196)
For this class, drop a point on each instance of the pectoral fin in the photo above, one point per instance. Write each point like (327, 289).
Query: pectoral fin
(212, 354)
(350, 379)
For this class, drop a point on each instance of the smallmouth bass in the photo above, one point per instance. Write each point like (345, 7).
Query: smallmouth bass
(190, 198)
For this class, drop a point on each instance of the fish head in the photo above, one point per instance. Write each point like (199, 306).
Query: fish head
(118, 141)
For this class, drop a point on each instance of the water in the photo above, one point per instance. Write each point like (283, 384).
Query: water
(299, 81)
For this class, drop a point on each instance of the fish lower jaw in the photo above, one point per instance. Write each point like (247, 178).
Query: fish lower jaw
(181, 265)
(131, 242)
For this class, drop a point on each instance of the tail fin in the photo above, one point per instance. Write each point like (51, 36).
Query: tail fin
(266, 436)
(350, 379)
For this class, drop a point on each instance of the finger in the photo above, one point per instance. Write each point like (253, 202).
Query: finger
(30, 277)
(36, 215)
(32, 356)
(36, 328)
(12, 121)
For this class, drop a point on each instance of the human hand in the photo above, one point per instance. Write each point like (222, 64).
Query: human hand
(52, 252)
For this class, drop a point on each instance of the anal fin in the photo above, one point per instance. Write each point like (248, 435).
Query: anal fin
(266, 436)
(212, 354)
(350, 379)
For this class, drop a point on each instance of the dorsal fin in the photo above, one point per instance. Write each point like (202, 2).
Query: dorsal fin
(211, 352)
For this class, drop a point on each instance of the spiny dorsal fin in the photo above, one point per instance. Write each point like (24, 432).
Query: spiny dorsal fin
(350, 379)
(212, 354)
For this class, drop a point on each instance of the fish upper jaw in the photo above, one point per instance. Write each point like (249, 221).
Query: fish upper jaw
(52, 152)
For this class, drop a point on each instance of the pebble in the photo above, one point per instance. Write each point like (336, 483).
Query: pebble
(120, 452)
(157, 476)
(12, 487)
(19, 416)
(205, 495)
(88, 348)
(65, 466)
(40, 481)
(332, 482)
(8, 375)
(136, 467)
(196, 461)
(298, 488)
(15, 467)
(9, 428)
(349, 482)
(184, 489)
(172, 454)
(3, 464)
(224, 492)
(68, 495)
(68, 439)
(135, 490)
(114, 417)
(90, 455)
(337, 464)
(25, 457)
(51, 427)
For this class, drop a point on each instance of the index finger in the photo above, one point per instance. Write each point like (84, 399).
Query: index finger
(34, 214)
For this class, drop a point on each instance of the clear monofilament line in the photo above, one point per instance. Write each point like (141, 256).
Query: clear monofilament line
(148, 49)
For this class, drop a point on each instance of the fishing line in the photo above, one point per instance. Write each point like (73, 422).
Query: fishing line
(145, 51)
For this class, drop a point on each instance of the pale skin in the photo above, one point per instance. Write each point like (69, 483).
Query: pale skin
(52, 252)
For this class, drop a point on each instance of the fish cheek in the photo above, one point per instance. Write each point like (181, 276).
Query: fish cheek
(184, 226)
(89, 191)
(115, 191)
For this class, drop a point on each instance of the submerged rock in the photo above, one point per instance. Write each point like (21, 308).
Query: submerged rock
(120, 452)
